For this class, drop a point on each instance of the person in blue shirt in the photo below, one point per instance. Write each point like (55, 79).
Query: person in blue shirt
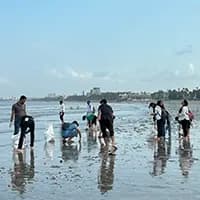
(70, 130)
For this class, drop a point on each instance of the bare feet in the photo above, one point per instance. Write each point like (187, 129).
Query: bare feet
(70, 141)
(19, 150)
(114, 148)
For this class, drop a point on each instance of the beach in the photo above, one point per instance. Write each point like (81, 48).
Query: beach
(140, 169)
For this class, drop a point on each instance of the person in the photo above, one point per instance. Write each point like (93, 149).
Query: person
(152, 105)
(167, 117)
(160, 116)
(18, 111)
(184, 119)
(105, 116)
(62, 111)
(90, 114)
(70, 130)
(27, 125)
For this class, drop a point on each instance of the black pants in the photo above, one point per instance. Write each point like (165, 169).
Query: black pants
(27, 125)
(185, 126)
(62, 116)
(161, 128)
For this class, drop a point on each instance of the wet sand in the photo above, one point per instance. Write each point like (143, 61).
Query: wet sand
(141, 168)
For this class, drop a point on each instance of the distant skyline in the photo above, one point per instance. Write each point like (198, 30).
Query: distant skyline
(65, 47)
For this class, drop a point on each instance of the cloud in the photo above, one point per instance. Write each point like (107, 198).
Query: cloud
(57, 74)
(185, 50)
(168, 75)
(4, 81)
(177, 72)
(106, 76)
(83, 75)
(191, 69)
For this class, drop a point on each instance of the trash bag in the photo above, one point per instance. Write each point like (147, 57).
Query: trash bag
(49, 134)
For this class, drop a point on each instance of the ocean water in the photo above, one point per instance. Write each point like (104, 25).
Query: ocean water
(141, 168)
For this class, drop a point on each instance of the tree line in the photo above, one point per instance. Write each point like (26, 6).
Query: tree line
(174, 94)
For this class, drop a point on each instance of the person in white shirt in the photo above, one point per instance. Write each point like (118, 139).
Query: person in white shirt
(62, 111)
(90, 114)
(183, 118)
(160, 116)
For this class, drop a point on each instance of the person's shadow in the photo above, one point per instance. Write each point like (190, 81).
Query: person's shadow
(70, 151)
(22, 172)
(162, 151)
(185, 157)
(106, 173)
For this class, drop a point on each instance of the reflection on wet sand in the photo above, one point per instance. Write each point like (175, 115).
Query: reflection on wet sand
(49, 149)
(185, 157)
(22, 172)
(70, 151)
(106, 173)
(162, 151)
(91, 140)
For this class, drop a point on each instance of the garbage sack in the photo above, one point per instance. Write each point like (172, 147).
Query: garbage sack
(49, 134)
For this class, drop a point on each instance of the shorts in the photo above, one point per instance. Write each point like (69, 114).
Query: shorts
(69, 133)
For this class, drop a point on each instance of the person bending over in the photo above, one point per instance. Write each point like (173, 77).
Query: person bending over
(70, 130)
(27, 125)
(105, 116)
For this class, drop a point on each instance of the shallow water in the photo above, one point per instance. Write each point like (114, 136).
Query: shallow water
(141, 168)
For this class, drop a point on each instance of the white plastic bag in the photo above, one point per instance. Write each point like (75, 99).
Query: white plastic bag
(49, 134)
(15, 141)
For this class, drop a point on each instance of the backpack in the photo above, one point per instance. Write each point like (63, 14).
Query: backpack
(191, 115)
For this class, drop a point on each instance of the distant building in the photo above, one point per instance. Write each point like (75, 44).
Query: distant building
(95, 91)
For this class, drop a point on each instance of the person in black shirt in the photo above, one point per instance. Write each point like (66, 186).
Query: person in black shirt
(27, 125)
(105, 116)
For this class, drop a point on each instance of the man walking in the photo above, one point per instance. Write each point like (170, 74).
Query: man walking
(105, 116)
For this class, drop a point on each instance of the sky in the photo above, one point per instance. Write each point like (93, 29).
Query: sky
(66, 47)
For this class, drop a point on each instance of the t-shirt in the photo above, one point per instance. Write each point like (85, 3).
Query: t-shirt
(90, 109)
(184, 113)
(62, 107)
(71, 131)
(158, 112)
(19, 109)
(106, 112)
